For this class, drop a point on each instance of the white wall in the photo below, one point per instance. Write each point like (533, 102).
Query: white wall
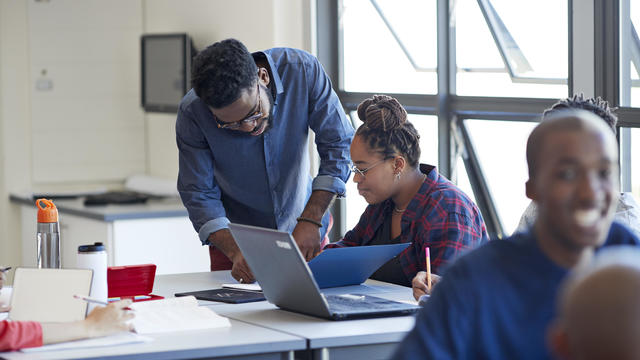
(260, 24)
(15, 150)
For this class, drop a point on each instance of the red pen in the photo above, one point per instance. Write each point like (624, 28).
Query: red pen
(428, 260)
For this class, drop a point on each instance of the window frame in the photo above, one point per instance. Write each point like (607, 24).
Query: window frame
(592, 27)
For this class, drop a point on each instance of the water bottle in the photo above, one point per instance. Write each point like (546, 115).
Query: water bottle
(48, 237)
(94, 257)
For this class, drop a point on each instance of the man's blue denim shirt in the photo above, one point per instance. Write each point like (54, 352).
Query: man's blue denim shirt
(225, 175)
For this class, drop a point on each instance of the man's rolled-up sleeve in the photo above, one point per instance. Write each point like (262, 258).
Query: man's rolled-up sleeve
(196, 183)
(333, 131)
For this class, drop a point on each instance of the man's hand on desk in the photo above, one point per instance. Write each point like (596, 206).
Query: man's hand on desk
(307, 236)
(419, 284)
(240, 270)
(224, 241)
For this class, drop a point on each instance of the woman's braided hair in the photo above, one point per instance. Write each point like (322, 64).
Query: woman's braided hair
(387, 130)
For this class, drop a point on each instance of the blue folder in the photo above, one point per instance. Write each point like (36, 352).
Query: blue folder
(351, 265)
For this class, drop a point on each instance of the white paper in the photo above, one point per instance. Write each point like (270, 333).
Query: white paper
(151, 185)
(249, 287)
(174, 314)
(112, 340)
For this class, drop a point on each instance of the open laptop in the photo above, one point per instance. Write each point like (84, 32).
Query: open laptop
(287, 282)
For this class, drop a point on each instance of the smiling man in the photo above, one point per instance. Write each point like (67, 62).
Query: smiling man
(242, 135)
(497, 301)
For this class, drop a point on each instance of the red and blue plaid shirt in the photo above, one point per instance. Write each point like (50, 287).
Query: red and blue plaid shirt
(439, 216)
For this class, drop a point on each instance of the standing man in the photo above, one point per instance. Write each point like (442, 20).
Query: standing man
(496, 302)
(242, 135)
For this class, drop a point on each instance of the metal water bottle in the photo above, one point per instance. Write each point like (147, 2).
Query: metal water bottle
(48, 238)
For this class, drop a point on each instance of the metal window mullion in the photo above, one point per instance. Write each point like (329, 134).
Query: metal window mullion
(607, 50)
(625, 93)
(582, 47)
(329, 42)
(413, 103)
(518, 109)
(446, 85)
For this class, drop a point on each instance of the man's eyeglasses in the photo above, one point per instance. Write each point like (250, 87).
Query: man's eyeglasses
(257, 115)
(362, 172)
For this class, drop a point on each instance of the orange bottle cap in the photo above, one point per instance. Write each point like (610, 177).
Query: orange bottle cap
(48, 213)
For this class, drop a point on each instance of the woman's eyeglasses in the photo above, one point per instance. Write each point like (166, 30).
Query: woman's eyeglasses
(362, 172)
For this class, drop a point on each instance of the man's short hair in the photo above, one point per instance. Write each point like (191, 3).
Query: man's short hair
(560, 120)
(599, 308)
(597, 106)
(222, 71)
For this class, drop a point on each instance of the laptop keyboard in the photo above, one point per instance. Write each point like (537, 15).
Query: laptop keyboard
(351, 302)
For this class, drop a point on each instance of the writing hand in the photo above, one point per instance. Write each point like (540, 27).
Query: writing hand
(419, 284)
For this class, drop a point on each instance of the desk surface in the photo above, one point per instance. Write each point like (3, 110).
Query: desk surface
(319, 332)
(238, 340)
(258, 329)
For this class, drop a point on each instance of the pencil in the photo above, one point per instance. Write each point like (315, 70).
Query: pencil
(428, 260)
(96, 301)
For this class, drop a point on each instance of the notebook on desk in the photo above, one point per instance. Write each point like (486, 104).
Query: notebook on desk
(351, 265)
(287, 282)
(36, 292)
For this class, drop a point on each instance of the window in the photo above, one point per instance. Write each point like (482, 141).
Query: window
(495, 149)
(384, 52)
(511, 48)
(504, 61)
(630, 54)
(629, 114)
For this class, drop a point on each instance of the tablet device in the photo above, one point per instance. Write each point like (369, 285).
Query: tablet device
(46, 295)
(351, 265)
(231, 296)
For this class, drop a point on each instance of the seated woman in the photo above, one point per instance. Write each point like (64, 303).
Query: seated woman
(101, 321)
(408, 201)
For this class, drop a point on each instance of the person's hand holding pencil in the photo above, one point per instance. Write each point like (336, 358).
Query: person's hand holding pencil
(424, 281)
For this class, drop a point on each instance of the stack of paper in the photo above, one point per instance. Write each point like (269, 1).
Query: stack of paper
(174, 314)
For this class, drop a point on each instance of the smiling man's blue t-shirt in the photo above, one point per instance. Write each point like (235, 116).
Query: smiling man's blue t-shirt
(494, 303)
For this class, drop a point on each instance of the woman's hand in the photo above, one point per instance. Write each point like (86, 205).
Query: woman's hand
(110, 319)
(419, 284)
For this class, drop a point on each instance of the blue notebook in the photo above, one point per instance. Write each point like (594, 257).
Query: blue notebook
(351, 265)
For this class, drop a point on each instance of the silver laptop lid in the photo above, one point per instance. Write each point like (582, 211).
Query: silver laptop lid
(281, 271)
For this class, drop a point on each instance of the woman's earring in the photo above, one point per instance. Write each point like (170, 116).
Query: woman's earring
(398, 176)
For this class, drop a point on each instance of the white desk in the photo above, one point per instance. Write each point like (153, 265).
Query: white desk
(240, 341)
(351, 339)
(259, 330)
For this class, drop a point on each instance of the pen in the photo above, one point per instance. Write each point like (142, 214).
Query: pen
(5, 269)
(96, 301)
(428, 259)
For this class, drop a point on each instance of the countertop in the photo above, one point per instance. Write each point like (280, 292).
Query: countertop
(153, 208)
